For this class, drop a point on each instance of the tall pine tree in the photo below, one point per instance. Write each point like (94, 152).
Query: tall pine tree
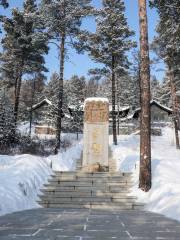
(167, 47)
(145, 121)
(109, 44)
(24, 45)
(63, 19)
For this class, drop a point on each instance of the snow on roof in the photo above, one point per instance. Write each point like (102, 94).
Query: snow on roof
(165, 108)
(67, 116)
(124, 108)
(118, 108)
(158, 104)
(42, 103)
(75, 106)
(44, 126)
(153, 102)
(96, 99)
(129, 117)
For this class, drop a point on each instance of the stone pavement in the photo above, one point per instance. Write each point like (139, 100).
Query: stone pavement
(85, 224)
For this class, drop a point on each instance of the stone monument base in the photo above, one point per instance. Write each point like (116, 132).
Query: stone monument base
(96, 167)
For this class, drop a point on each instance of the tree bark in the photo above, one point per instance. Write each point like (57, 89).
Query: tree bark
(118, 126)
(60, 95)
(114, 101)
(145, 121)
(16, 100)
(31, 111)
(174, 104)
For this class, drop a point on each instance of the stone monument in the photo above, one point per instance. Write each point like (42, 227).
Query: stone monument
(96, 132)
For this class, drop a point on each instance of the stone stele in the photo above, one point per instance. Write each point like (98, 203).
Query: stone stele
(96, 132)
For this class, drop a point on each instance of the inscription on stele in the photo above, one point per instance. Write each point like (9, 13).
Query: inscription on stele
(96, 112)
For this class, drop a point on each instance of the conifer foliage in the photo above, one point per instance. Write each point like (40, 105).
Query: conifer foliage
(63, 20)
(4, 3)
(6, 120)
(167, 47)
(24, 44)
(109, 44)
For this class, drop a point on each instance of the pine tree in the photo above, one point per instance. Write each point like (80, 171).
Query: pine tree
(164, 93)
(127, 91)
(76, 94)
(24, 44)
(6, 120)
(135, 69)
(145, 121)
(92, 88)
(51, 93)
(155, 87)
(4, 3)
(108, 45)
(63, 19)
(167, 47)
(104, 89)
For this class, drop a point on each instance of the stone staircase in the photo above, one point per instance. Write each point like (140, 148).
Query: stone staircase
(96, 190)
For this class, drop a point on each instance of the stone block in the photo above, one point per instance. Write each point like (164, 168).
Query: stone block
(96, 131)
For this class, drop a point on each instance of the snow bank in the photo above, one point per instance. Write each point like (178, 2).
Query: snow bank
(164, 197)
(66, 160)
(22, 176)
(20, 180)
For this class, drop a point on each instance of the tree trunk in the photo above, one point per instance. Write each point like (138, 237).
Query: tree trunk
(145, 122)
(60, 95)
(114, 102)
(31, 111)
(118, 126)
(16, 101)
(174, 104)
(139, 83)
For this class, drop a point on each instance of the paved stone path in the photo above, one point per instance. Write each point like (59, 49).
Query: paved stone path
(75, 224)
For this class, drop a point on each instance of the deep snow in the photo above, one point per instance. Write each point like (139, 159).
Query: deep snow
(22, 176)
(164, 197)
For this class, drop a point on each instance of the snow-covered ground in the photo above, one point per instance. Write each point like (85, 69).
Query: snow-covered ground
(164, 197)
(22, 176)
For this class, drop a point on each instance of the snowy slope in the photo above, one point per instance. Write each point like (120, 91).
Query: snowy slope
(22, 176)
(164, 197)
(20, 179)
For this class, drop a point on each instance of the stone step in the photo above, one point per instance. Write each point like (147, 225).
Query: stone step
(86, 194)
(87, 206)
(99, 190)
(90, 203)
(110, 206)
(51, 192)
(82, 200)
(89, 182)
(98, 182)
(91, 178)
(87, 187)
(60, 199)
(95, 174)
